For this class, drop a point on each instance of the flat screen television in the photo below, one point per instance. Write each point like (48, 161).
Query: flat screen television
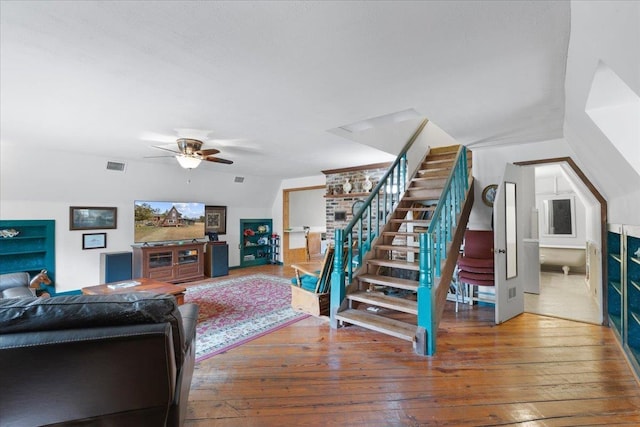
(168, 221)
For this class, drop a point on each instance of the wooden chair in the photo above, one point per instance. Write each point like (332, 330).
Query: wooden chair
(315, 275)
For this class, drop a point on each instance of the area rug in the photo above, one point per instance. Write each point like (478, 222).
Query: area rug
(235, 311)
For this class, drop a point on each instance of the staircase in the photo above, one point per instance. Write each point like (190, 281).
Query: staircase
(383, 295)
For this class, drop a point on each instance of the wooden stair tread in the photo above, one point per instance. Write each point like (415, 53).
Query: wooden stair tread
(417, 198)
(398, 248)
(396, 328)
(406, 265)
(400, 234)
(392, 282)
(418, 209)
(385, 301)
(414, 221)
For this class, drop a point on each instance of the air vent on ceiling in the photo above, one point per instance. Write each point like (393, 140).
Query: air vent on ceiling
(239, 179)
(116, 166)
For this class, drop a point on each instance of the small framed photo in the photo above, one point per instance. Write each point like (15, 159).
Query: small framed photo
(215, 219)
(92, 218)
(94, 240)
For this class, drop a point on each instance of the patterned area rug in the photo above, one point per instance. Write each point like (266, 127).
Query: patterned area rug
(235, 311)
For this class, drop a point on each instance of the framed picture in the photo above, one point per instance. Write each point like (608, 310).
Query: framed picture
(94, 240)
(215, 219)
(489, 194)
(92, 218)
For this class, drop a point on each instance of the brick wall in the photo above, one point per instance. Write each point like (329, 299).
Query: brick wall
(337, 202)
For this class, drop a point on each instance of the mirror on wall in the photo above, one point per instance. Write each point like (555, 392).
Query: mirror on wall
(559, 216)
(511, 229)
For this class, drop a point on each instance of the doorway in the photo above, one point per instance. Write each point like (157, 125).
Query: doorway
(304, 223)
(579, 294)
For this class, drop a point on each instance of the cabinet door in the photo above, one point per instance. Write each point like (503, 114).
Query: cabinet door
(188, 262)
(160, 265)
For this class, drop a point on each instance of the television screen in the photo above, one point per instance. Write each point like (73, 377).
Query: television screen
(168, 221)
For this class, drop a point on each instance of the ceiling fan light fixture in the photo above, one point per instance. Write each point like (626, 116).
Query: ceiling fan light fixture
(188, 162)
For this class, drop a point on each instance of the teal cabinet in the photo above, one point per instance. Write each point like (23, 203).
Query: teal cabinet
(614, 273)
(632, 300)
(254, 241)
(32, 249)
(623, 288)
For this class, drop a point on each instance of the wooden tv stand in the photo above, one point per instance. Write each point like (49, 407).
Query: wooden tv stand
(171, 263)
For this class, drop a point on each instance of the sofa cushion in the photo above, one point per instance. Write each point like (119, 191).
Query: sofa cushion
(17, 292)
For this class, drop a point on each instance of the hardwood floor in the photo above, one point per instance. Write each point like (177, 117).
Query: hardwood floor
(564, 296)
(532, 370)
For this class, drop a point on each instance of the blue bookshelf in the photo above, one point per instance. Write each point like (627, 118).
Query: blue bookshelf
(31, 250)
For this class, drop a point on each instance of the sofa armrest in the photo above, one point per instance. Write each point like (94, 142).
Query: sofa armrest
(14, 280)
(189, 313)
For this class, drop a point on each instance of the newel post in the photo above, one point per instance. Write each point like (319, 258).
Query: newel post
(426, 333)
(337, 278)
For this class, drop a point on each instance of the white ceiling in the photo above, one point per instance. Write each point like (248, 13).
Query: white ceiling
(271, 79)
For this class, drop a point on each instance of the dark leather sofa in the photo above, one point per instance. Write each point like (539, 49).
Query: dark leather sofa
(120, 360)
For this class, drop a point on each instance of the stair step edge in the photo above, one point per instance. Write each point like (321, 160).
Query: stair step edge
(380, 324)
(385, 301)
(392, 282)
(394, 264)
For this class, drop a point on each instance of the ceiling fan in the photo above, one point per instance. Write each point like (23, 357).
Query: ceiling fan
(191, 153)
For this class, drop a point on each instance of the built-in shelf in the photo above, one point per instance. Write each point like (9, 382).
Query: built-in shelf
(32, 250)
(617, 286)
(623, 291)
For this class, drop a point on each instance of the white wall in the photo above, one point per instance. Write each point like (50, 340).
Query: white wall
(488, 166)
(606, 31)
(44, 184)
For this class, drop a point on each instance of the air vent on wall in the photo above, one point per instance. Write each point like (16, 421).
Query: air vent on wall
(116, 166)
(239, 179)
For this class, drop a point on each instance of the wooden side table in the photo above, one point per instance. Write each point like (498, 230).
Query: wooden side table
(145, 285)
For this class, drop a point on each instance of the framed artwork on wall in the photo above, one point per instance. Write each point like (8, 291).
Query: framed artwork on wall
(215, 219)
(92, 218)
(489, 194)
(94, 240)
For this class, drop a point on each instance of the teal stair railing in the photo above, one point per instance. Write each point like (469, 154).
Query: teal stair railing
(356, 238)
(362, 229)
(433, 249)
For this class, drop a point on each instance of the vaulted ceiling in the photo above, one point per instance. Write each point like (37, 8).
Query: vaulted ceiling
(273, 84)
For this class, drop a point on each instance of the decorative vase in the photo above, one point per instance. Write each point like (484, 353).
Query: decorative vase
(346, 186)
(367, 185)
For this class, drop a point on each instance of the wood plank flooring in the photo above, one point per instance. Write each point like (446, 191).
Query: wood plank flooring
(531, 371)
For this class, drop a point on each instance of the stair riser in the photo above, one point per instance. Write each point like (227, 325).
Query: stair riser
(426, 194)
(430, 183)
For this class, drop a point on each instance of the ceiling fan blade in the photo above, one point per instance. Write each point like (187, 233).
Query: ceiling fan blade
(218, 160)
(166, 149)
(207, 152)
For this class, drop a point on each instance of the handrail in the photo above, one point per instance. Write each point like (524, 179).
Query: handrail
(433, 248)
(384, 195)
